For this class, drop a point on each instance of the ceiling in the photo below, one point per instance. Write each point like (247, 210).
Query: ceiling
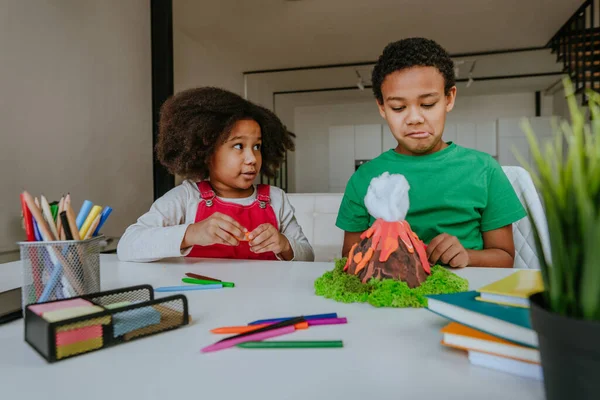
(267, 34)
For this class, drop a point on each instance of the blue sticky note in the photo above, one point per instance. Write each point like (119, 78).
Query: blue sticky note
(127, 321)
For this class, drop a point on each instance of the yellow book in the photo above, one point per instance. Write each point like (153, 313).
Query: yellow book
(514, 290)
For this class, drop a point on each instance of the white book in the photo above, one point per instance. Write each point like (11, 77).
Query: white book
(515, 367)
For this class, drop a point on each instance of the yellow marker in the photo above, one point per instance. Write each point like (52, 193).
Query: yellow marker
(88, 221)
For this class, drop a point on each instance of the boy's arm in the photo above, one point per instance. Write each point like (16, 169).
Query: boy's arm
(349, 239)
(498, 250)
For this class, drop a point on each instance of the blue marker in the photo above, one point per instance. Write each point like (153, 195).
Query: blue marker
(103, 217)
(83, 213)
(306, 317)
(187, 288)
(52, 283)
(36, 231)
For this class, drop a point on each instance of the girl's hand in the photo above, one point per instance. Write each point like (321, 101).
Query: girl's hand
(267, 238)
(216, 229)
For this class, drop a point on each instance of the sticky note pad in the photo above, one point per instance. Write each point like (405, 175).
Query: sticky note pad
(39, 309)
(66, 313)
(78, 335)
(117, 305)
(169, 318)
(78, 347)
(82, 324)
(131, 320)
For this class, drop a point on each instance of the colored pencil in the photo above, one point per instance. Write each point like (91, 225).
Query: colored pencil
(206, 282)
(187, 288)
(252, 337)
(206, 278)
(227, 330)
(327, 321)
(276, 325)
(292, 344)
(306, 317)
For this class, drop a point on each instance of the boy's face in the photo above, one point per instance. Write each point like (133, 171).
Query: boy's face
(415, 107)
(237, 161)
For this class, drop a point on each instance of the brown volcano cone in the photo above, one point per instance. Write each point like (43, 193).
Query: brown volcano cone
(389, 250)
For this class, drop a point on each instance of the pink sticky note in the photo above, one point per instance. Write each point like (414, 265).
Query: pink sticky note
(39, 309)
(78, 335)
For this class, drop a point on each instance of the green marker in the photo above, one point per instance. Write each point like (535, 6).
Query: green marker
(205, 282)
(292, 344)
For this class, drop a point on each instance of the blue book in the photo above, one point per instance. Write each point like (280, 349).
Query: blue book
(510, 323)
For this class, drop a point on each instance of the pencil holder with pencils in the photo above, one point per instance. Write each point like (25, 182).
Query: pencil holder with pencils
(61, 329)
(56, 270)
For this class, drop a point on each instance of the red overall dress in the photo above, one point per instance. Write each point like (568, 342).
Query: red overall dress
(250, 217)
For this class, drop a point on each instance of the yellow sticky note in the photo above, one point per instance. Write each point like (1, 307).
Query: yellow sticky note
(82, 324)
(66, 313)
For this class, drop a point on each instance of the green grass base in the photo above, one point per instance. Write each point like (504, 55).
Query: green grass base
(340, 286)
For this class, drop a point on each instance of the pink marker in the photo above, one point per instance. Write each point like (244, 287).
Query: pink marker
(249, 338)
(327, 321)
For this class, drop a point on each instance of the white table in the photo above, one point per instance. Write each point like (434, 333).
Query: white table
(388, 353)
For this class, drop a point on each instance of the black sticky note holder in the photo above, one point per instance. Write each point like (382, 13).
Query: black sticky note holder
(127, 314)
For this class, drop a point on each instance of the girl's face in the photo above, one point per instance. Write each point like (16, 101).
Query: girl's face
(236, 162)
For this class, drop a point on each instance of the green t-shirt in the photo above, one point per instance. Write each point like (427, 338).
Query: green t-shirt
(458, 191)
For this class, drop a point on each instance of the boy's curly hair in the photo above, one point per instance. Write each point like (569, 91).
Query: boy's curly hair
(194, 122)
(408, 53)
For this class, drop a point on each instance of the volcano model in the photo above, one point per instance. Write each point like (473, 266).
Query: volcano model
(389, 249)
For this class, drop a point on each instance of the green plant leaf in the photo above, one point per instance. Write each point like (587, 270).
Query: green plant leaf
(568, 180)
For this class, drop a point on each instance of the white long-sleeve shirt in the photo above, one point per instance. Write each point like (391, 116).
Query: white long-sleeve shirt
(158, 233)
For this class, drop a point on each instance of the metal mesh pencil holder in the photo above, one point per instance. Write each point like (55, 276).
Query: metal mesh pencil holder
(59, 269)
(61, 329)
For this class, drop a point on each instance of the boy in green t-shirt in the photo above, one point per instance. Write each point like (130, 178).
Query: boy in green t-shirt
(461, 202)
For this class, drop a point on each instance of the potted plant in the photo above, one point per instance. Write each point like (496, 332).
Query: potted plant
(566, 315)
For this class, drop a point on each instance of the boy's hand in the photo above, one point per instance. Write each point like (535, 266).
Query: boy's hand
(216, 229)
(267, 238)
(448, 250)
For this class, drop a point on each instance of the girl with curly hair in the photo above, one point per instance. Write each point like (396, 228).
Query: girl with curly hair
(219, 142)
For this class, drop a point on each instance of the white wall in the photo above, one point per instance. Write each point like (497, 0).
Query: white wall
(198, 64)
(490, 107)
(76, 114)
(560, 106)
(286, 113)
(312, 128)
(312, 142)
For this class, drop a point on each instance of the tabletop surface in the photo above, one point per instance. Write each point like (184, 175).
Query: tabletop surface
(388, 353)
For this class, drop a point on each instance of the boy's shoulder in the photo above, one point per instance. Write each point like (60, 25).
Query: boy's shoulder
(374, 167)
(473, 154)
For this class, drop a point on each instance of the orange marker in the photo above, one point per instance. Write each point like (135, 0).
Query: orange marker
(248, 328)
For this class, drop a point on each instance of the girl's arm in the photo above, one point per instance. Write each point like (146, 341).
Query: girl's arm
(158, 233)
(289, 227)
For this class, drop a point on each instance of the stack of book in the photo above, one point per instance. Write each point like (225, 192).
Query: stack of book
(493, 324)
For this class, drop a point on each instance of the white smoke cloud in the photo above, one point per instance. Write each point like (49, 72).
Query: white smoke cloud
(387, 197)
